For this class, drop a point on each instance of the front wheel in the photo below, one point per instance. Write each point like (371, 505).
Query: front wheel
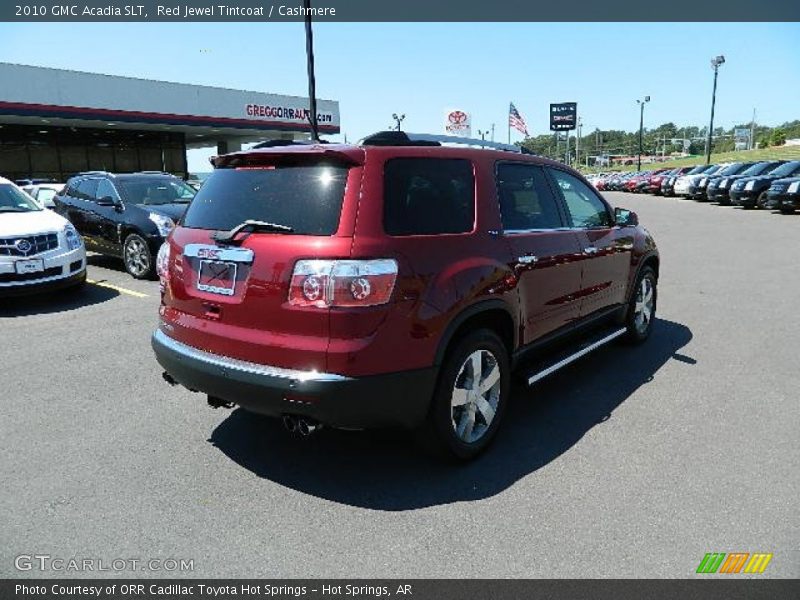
(470, 397)
(642, 307)
(137, 257)
(762, 200)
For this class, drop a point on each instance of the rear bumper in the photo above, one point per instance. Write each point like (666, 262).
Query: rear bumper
(394, 399)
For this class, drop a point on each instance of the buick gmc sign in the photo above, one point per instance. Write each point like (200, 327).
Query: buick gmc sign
(563, 116)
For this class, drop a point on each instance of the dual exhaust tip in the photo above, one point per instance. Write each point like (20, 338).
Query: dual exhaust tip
(300, 425)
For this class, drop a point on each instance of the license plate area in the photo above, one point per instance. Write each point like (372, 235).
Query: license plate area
(217, 277)
(34, 265)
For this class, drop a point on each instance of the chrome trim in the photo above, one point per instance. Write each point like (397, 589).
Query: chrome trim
(528, 259)
(243, 366)
(573, 357)
(590, 250)
(213, 252)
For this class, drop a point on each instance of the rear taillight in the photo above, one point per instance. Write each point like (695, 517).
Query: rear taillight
(324, 283)
(162, 264)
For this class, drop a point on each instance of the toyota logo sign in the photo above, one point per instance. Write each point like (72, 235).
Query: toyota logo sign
(457, 117)
(457, 122)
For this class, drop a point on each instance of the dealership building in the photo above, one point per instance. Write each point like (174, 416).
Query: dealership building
(54, 123)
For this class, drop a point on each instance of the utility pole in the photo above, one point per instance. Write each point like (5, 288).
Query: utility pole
(752, 140)
(641, 104)
(578, 143)
(492, 131)
(715, 64)
(312, 84)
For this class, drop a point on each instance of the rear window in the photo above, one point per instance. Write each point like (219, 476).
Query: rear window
(307, 198)
(428, 196)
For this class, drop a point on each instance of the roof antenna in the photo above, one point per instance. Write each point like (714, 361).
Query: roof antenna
(312, 86)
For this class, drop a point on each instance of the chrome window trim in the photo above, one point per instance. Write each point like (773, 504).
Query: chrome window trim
(243, 366)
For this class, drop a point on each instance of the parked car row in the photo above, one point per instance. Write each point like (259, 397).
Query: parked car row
(771, 184)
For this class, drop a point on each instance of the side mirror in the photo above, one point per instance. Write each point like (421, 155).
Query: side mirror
(625, 218)
(106, 201)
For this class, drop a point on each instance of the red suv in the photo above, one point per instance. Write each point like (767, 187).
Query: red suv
(396, 282)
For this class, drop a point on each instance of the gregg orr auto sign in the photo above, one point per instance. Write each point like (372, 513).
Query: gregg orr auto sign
(563, 116)
(289, 114)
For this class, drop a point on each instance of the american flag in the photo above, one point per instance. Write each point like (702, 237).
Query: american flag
(515, 119)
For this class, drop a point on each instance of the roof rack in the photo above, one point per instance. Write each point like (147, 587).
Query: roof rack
(402, 138)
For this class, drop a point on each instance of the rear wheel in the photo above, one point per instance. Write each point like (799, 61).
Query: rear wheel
(137, 257)
(470, 397)
(642, 307)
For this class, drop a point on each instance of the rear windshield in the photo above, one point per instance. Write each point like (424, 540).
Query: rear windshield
(307, 198)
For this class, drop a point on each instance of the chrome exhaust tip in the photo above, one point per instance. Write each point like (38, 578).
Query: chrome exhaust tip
(290, 423)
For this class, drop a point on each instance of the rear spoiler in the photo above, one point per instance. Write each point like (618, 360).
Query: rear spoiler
(284, 154)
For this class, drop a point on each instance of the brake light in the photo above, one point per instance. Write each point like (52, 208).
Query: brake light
(343, 283)
(162, 264)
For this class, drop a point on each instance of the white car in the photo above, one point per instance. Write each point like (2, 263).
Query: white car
(43, 192)
(39, 250)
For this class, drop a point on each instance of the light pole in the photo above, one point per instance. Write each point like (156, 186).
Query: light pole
(578, 143)
(398, 119)
(715, 63)
(641, 104)
(312, 84)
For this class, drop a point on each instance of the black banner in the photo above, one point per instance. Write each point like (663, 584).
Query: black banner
(734, 588)
(404, 11)
(563, 116)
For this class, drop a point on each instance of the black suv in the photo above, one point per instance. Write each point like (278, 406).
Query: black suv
(127, 215)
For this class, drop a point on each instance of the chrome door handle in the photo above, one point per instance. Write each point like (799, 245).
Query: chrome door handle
(528, 259)
(590, 250)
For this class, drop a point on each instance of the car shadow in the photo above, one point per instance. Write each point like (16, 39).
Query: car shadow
(384, 470)
(104, 261)
(55, 302)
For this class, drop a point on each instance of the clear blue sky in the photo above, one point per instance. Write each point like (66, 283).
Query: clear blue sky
(376, 69)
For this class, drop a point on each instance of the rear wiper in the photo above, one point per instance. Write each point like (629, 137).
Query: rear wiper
(227, 237)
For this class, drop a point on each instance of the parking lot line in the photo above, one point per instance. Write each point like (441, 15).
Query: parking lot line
(117, 288)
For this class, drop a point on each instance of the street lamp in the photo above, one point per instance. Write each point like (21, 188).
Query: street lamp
(398, 119)
(715, 64)
(483, 134)
(641, 104)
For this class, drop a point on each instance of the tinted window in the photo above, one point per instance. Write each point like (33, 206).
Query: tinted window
(425, 196)
(86, 189)
(584, 207)
(155, 190)
(526, 201)
(307, 198)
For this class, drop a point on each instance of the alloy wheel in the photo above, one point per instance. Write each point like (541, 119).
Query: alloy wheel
(643, 309)
(475, 396)
(137, 257)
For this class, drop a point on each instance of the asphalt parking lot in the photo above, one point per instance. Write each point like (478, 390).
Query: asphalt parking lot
(633, 462)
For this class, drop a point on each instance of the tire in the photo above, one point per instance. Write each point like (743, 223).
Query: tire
(787, 211)
(137, 257)
(761, 201)
(641, 314)
(463, 431)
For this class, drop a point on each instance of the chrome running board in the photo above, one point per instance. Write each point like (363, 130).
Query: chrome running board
(583, 351)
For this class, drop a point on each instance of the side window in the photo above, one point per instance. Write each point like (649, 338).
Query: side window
(584, 207)
(104, 189)
(526, 201)
(86, 189)
(428, 196)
